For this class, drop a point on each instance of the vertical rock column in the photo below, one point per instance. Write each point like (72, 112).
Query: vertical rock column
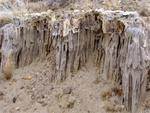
(135, 68)
(76, 40)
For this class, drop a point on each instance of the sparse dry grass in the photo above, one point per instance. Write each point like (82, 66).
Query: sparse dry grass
(4, 19)
(145, 12)
(6, 1)
(37, 6)
(106, 94)
(117, 91)
(109, 107)
(147, 103)
(111, 97)
(3, 1)
(113, 108)
(8, 67)
(112, 3)
(8, 70)
(13, 10)
(109, 92)
(19, 12)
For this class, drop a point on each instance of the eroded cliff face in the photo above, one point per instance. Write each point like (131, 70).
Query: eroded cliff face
(116, 41)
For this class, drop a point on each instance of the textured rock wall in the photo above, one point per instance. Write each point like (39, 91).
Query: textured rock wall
(116, 41)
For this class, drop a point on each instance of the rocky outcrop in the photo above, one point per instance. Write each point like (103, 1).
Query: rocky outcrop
(116, 41)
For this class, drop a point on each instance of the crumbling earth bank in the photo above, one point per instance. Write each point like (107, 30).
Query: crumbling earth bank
(116, 41)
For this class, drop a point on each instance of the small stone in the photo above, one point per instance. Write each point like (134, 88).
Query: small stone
(14, 100)
(42, 102)
(22, 87)
(67, 90)
(29, 77)
(17, 108)
(43, 96)
(52, 88)
(67, 101)
(97, 81)
(72, 75)
(1, 93)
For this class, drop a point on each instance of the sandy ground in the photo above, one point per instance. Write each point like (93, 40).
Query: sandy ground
(31, 91)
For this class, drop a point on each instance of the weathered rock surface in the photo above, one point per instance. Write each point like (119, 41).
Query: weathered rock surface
(117, 42)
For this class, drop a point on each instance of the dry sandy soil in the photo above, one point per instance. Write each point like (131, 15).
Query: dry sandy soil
(31, 90)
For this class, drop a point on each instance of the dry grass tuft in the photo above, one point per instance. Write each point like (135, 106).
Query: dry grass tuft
(113, 91)
(111, 107)
(111, 97)
(145, 12)
(8, 70)
(97, 80)
(147, 103)
(106, 94)
(8, 67)
(3, 1)
(4, 19)
(117, 91)
(37, 6)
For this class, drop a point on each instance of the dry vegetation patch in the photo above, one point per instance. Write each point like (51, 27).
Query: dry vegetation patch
(8, 67)
(113, 108)
(37, 6)
(106, 94)
(111, 91)
(147, 103)
(111, 97)
(4, 19)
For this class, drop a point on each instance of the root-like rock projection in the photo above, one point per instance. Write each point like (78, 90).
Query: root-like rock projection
(116, 40)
